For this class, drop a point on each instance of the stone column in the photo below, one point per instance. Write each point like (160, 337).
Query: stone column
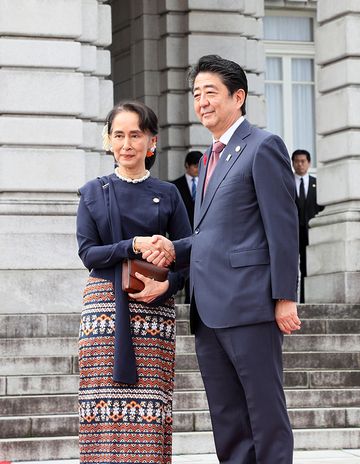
(190, 29)
(53, 99)
(334, 251)
(155, 42)
(135, 57)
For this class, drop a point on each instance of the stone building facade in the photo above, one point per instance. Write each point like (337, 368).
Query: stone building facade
(64, 62)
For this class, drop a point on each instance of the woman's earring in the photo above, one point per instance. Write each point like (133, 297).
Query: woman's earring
(150, 152)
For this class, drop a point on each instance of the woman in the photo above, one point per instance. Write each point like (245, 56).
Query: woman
(127, 342)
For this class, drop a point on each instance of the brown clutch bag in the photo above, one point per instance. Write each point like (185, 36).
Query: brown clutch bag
(133, 285)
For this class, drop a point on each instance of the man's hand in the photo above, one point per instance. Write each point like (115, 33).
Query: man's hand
(161, 252)
(286, 316)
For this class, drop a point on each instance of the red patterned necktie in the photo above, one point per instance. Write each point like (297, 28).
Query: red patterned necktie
(217, 148)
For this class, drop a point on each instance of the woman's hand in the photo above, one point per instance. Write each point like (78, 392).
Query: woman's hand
(157, 249)
(152, 290)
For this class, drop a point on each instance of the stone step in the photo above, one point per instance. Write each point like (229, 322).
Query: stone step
(51, 346)
(317, 439)
(308, 418)
(67, 324)
(39, 426)
(41, 384)
(68, 346)
(312, 439)
(185, 421)
(56, 365)
(306, 311)
(36, 448)
(183, 401)
(333, 343)
(300, 398)
(308, 326)
(26, 449)
(292, 379)
(38, 365)
(321, 360)
(182, 327)
(36, 405)
(315, 319)
(329, 311)
(334, 379)
(300, 361)
(342, 326)
(60, 384)
(39, 325)
(185, 344)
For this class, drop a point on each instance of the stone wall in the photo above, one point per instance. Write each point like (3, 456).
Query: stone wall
(54, 96)
(154, 44)
(334, 252)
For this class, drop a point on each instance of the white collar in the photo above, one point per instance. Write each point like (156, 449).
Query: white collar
(190, 178)
(225, 138)
(305, 177)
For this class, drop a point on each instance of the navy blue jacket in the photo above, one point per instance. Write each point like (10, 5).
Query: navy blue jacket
(244, 251)
(111, 212)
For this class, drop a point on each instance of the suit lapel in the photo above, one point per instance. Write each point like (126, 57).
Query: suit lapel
(229, 156)
(185, 189)
(310, 198)
(200, 186)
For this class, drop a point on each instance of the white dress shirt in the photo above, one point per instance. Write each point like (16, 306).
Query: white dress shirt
(189, 181)
(306, 183)
(225, 138)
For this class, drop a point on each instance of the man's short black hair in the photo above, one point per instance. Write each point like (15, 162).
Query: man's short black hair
(300, 151)
(193, 157)
(231, 74)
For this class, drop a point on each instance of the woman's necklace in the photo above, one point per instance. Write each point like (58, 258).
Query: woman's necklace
(130, 180)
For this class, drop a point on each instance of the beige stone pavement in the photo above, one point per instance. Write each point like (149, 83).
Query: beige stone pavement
(300, 457)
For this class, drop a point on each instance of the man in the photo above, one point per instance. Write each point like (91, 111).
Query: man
(243, 270)
(307, 206)
(187, 185)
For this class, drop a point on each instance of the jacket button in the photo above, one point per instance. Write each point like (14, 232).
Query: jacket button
(197, 231)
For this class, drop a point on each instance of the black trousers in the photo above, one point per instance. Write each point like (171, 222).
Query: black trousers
(242, 372)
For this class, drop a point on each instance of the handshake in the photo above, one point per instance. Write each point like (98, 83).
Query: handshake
(157, 250)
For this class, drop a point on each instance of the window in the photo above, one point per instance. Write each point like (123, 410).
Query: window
(289, 81)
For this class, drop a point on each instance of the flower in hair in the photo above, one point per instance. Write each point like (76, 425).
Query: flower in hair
(106, 137)
(150, 152)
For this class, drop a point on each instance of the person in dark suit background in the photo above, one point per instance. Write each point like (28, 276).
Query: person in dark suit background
(187, 185)
(243, 272)
(307, 206)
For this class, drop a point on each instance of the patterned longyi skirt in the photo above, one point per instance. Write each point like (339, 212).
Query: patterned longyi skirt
(122, 423)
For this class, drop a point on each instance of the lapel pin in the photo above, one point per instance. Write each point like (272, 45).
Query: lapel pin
(237, 149)
(156, 200)
(228, 157)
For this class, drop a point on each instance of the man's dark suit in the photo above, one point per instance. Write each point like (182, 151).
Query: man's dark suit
(182, 186)
(243, 257)
(310, 211)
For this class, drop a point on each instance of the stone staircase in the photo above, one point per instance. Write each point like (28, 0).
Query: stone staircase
(38, 384)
